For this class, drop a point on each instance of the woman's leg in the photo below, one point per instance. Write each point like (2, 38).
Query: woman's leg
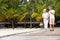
(51, 24)
(51, 27)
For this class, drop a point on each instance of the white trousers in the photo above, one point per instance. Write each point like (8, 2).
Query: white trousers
(45, 23)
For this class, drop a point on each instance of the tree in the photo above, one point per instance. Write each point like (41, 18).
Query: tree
(18, 11)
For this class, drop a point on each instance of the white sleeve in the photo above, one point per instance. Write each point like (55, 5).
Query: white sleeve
(53, 11)
(43, 15)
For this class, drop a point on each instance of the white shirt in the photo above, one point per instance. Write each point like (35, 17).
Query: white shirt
(45, 15)
(51, 13)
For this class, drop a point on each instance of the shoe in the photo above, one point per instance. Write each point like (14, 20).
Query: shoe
(52, 30)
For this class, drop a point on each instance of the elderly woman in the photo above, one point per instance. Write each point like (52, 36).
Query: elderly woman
(52, 18)
(45, 17)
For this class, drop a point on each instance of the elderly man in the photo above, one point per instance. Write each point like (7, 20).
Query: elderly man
(45, 17)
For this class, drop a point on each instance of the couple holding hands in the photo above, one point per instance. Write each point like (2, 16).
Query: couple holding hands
(48, 16)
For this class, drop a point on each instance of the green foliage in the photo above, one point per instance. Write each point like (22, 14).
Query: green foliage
(36, 16)
(22, 16)
(17, 10)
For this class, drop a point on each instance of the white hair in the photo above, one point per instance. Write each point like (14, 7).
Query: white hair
(44, 10)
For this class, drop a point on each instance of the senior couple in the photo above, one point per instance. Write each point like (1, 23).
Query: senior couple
(49, 17)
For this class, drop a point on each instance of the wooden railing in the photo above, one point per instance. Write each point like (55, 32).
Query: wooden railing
(2, 24)
(30, 23)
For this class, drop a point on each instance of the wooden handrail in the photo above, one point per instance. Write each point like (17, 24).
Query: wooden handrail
(27, 22)
(4, 22)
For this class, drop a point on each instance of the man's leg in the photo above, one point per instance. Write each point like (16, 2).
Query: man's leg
(46, 24)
